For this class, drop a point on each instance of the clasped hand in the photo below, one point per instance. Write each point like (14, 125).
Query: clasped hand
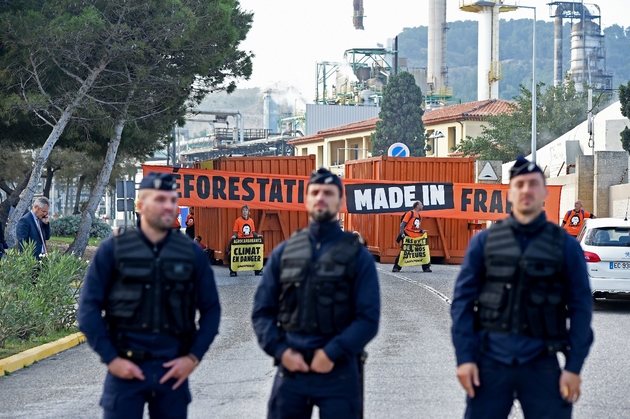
(179, 368)
(294, 362)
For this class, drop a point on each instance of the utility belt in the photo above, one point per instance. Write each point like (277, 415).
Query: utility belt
(552, 347)
(125, 351)
(137, 355)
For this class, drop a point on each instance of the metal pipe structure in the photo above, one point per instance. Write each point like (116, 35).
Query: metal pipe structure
(436, 53)
(558, 77)
(242, 127)
(484, 54)
(240, 121)
(495, 65)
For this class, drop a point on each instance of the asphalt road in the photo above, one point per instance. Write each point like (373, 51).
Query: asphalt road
(410, 369)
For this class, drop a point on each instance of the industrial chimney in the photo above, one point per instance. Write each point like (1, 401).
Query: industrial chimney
(436, 60)
(488, 64)
(357, 16)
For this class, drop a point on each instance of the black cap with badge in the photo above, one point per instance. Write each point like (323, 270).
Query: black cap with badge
(158, 181)
(325, 177)
(522, 166)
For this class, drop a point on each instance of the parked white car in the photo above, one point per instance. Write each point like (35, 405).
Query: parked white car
(606, 245)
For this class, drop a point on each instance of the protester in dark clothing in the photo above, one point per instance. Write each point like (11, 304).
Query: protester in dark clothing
(520, 281)
(190, 223)
(317, 354)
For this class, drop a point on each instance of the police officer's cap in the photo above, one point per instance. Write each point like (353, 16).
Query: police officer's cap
(158, 181)
(325, 177)
(522, 166)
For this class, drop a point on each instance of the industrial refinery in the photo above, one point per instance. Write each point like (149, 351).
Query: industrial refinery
(588, 53)
(351, 89)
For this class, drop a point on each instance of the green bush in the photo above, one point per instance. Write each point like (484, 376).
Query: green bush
(69, 225)
(38, 297)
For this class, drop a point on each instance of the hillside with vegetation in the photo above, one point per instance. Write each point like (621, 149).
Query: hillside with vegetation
(461, 58)
(515, 52)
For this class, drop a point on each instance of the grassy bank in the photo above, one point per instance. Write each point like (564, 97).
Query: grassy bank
(67, 240)
(14, 346)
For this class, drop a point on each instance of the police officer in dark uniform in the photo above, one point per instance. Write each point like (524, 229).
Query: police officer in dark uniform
(149, 282)
(520, 281)
(315, 309)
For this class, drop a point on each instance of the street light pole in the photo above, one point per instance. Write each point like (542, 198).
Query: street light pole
(534, 90)
(533, 144)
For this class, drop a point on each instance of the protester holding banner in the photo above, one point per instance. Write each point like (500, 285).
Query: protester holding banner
(414, 241)
(574, 219)
(176, 224)
(520, 282)
(190, 223)
(244, 229)
(315, 309)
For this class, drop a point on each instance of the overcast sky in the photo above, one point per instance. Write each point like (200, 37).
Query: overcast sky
(289, 37)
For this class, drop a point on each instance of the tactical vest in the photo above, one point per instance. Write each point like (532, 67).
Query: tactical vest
(152, 294)
(316, 296)
(524, 292)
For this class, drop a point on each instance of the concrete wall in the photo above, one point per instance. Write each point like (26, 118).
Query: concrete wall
(619, 200)
(610, 169)
(569, 191)
(584, 168)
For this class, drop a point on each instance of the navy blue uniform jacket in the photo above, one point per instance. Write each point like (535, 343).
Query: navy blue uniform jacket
(94, 293)
(507, 348)
(367, 306)
(27, 231)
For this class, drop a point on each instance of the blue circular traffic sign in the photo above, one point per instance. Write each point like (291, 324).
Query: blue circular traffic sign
(398, 150)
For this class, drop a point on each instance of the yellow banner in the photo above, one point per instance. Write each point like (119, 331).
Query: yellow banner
(247, 254)
(415, 251)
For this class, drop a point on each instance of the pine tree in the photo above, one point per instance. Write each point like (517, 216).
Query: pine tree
(400, 117)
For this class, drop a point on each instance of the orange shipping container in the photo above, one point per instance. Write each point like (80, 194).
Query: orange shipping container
(215, 224)
(448, 238)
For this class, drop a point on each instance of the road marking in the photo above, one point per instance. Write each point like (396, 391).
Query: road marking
(420, 284)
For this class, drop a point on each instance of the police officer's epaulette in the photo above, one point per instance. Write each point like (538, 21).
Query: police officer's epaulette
(296, 232)
(123, 230)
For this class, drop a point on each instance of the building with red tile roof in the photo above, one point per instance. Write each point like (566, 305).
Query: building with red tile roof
(445, 127)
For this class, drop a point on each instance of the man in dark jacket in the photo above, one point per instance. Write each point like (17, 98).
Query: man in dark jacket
(34, 227)
(315, 309)
(520, 282)
(149, 282)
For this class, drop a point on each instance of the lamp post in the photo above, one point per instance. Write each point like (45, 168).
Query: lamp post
(533, 145)
(434, 136)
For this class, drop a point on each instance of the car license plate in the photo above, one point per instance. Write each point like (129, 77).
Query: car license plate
(619, 265)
